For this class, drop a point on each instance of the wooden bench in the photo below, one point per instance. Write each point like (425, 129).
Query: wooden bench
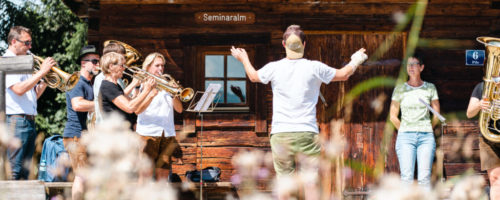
(39, 190)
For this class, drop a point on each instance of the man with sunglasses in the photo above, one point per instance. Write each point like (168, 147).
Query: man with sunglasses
(80, 101)
(21, 94)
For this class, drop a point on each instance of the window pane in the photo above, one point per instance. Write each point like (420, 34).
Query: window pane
(220, 94)
(234, 68)
(236, 91)
(214, 66)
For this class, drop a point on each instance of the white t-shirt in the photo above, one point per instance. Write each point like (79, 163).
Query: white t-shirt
(295, 85)
(15, 104)
(158, 117)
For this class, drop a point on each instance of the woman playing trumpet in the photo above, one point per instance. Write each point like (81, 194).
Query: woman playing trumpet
(155, 121)
(112, 95)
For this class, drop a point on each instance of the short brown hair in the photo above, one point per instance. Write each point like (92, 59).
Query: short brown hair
(111, 58)
(15, 33)
(114, 47)
(294, 29)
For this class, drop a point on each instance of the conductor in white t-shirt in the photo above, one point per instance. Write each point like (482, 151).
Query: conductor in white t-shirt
(295, 83)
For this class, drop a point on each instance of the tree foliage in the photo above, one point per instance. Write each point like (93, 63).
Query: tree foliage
(56, 32)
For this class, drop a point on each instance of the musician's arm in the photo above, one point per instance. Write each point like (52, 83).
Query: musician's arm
(80, 104)
(28, 84)
(435, 105)
(142, 106)
(40, 88)
(394, 111)
(130, 87)
(474, 107)
(178, 105)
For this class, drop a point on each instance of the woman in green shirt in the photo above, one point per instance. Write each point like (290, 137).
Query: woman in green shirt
(415, 138)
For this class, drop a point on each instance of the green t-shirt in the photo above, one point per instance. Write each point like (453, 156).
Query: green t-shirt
(414, 114)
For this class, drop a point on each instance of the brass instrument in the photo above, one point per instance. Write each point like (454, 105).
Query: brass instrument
(488, 118)
(57, 78)
(131, 55)
(164, 82)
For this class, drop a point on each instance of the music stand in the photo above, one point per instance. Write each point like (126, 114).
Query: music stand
(203, 101)
(443, 123)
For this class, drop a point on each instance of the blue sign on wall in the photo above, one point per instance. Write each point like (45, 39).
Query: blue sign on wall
(474, 57)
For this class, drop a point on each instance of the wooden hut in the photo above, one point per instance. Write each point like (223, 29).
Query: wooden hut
(195, 34)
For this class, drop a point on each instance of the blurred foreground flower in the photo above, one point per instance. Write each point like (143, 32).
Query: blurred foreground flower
(392, 188)
(469, 188)
(114, 162)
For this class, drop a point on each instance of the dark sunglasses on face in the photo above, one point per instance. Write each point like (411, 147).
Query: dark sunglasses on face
(27, 43)
(94, 61)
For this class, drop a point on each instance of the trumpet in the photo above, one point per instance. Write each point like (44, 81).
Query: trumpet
(164, 82)
(57, 78)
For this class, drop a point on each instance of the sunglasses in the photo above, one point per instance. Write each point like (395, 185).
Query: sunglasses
(414, 64)
(27, 43)
(94, 61)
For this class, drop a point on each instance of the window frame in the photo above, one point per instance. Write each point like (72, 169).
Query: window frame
(225, 50)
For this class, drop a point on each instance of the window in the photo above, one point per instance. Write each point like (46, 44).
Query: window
(222, 68)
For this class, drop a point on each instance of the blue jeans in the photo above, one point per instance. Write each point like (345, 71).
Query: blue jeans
(20, 158)
(419, 145)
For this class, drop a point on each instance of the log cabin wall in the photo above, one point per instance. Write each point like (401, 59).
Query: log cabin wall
(170, 27)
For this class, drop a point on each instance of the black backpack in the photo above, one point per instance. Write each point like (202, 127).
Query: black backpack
(210, 174)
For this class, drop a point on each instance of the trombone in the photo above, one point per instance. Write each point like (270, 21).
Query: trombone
(57, 78)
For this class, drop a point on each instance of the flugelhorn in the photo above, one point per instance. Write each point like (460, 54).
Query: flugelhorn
(488, 118)
(57, 78)
(164, 82)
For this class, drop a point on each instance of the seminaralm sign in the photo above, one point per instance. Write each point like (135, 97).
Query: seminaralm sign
(225, 18)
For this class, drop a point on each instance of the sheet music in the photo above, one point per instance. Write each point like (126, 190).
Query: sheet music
(439, 116)
(208, 97)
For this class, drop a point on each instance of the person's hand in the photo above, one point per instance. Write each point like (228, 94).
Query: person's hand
(150, 83)
(47, 65)
(484, 104)
(358, 58)
(239, 53)
(135, 82)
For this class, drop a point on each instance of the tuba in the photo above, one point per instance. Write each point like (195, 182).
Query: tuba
(57, 78)
(131, 55)
(488, 118)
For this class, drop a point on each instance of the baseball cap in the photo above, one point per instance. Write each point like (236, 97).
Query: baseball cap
(294, 47)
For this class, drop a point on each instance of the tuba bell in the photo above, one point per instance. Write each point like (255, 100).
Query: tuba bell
(57, 78)
(131, 55)
(488, 118)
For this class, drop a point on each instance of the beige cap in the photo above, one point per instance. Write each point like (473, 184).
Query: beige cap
(294, 47)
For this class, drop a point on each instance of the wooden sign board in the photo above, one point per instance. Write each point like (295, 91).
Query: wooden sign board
(224, 18)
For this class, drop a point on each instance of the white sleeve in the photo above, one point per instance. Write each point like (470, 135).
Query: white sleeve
(12, 79)
(324, 72)
(266, 73)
